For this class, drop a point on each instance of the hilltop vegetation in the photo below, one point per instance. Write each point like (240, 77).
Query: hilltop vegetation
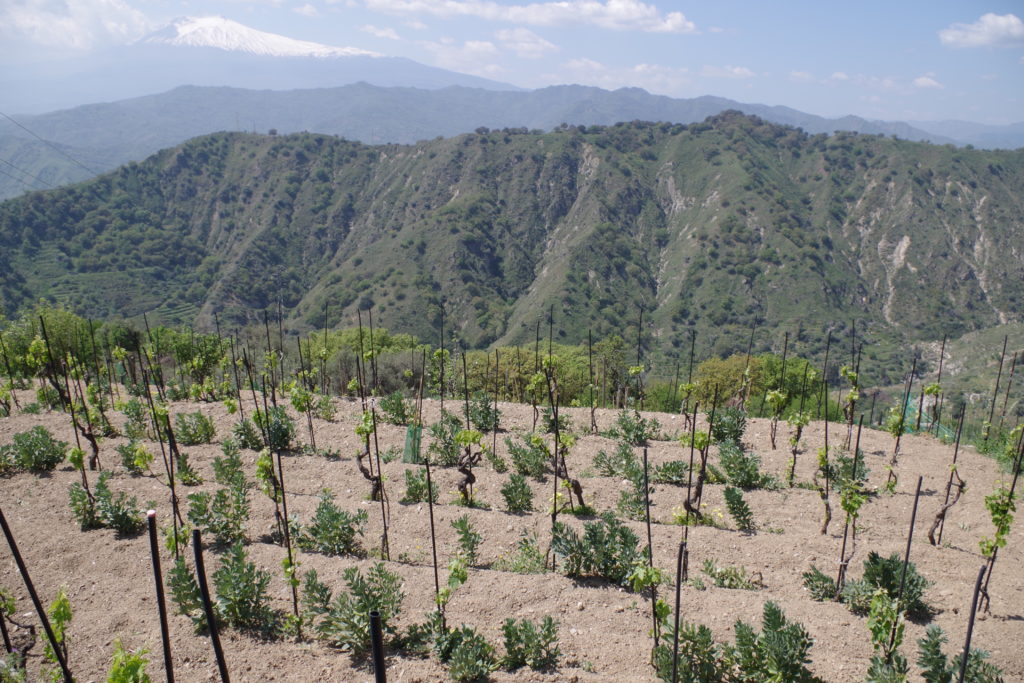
(718, 227)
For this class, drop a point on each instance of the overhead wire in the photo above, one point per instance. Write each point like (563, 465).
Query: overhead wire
(28, 173)
(16, 179)
(52, 146)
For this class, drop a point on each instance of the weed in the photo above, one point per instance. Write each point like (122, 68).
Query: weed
(530, 456)
(739, 510)
(469, 539)
(186, 474)
(526, 644)
(35, 450)
(137, 424)
(742, 469)
(527, 558)
(497, 462)
(83, 507)
(517, 494)
(324, 408)
(483, 414)
(222, 514)
(632, 503)
(472, 657)
(344, 621)
(12, 668)
(729, 577)
(880, 573)
(242, 598)
(120, 512)
(674, 472)
(714, 520)
(616, 464)
(395, 410)
(332, 530)
(820, 585)
(633, 429)
(128, 667)
(192, 429)
(936, 668)
(185, 593)
(278, 426)
(227, 468)
(607, 549)
(778, 653)
(443, 446)
(700, 659)
(730, 424)
(416, 488)
(547, 419)
(247, 435)
(135, 457)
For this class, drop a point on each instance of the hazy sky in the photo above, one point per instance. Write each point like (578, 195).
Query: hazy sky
(899, 59)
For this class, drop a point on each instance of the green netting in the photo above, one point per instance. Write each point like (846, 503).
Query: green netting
(927, 425)
(411, 454)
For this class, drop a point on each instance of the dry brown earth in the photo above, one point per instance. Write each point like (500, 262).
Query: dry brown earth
(603, 629)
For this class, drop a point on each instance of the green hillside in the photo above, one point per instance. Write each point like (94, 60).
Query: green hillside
(719, 226)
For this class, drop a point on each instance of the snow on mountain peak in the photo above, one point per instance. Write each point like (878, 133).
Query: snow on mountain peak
(222, 33)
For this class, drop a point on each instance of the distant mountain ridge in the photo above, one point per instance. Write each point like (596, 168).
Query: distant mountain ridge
(719, 226)
(101, 136)
(214, 51)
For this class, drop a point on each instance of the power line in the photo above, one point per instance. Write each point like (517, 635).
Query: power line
(17, 180)
(28, 173)
(52, 146)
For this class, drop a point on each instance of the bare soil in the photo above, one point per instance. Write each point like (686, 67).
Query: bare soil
(603, 628)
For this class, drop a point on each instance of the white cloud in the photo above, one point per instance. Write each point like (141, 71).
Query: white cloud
(927, 82)
(380, 32)
(990, 29)
(800, 76)
(726, 72)
(77, 24)
(472, 57)
(876, 82)
(838, 76)
(623, 15)
(654, 78)
(525, 43)
(416, 25)
(306, 10)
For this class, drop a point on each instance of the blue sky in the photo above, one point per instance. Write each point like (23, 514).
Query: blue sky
(901, 59)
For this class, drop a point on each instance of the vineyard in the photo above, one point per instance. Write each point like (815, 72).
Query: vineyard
(540, 538)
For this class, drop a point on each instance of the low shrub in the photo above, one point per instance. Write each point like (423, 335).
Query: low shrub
(332, 530)
(529, 456)
(517, 494)
(192, 429)
(608, 549)
(35, 451)
(344, 621)
(527, 644)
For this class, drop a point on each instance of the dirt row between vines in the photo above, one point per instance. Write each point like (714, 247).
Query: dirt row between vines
(603, 628)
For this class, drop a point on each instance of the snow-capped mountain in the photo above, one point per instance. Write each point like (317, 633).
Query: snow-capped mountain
(222, 33)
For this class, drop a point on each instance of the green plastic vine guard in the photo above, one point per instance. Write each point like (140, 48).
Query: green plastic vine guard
(413, 435)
